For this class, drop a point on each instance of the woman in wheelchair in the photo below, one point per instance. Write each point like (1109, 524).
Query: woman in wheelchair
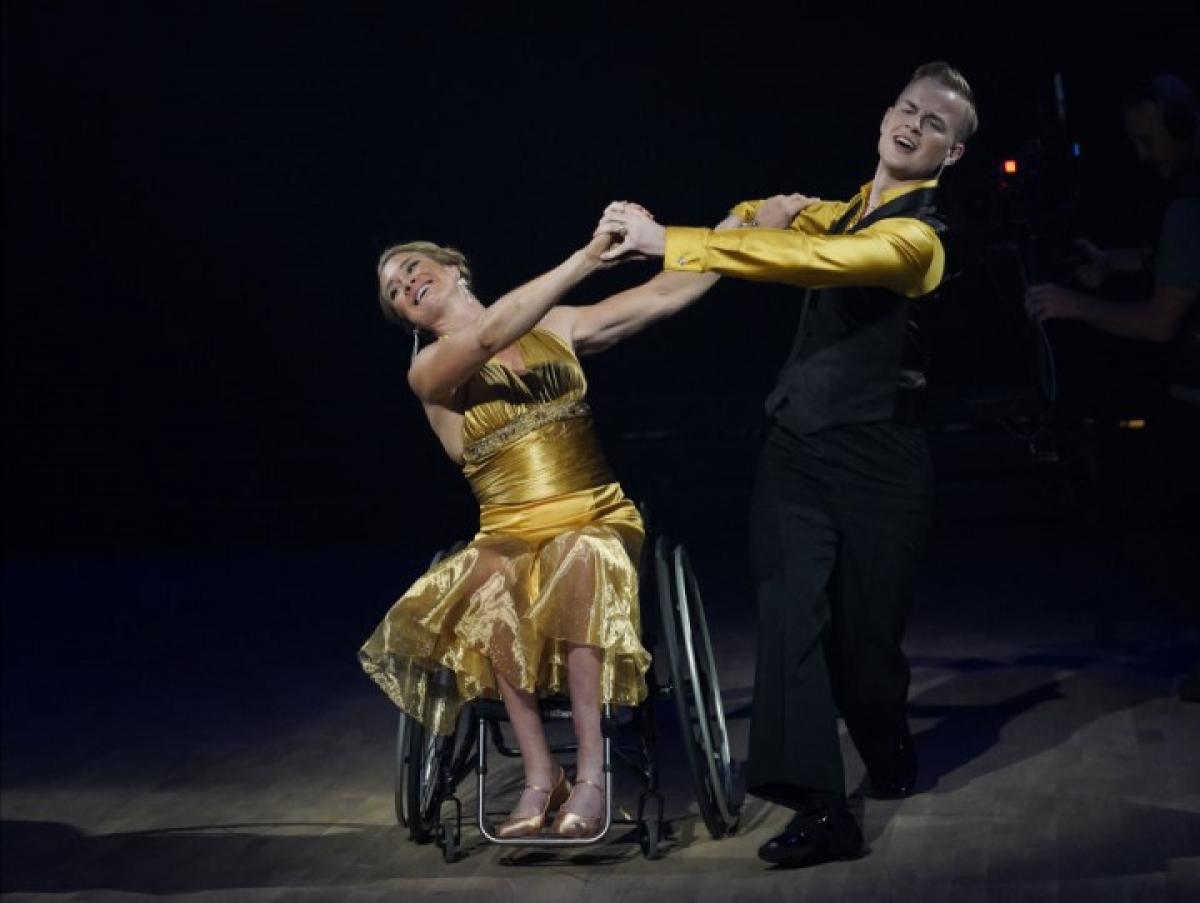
(544, 599)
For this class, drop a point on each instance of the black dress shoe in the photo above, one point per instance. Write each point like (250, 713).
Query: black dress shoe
(898, 778)
(811, 838)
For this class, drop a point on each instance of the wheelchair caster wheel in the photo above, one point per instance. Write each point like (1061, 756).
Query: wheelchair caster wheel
(648, 837)
(448, 840)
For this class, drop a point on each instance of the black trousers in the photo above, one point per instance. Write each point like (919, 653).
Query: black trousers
(838, 521)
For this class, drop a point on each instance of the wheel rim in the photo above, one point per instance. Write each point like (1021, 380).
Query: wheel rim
(701, 667)
(401, 793)
(694, 684)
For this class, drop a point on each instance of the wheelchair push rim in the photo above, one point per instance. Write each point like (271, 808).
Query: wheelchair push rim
(696, 688)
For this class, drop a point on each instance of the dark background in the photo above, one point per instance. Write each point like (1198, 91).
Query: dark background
(195, 196)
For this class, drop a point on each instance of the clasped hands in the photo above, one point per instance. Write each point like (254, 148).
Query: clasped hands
(633, 232)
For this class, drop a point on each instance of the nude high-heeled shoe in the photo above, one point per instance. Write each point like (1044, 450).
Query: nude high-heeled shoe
(529, 825)
(569, 824)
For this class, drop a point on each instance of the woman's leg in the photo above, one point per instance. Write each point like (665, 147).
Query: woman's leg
(540, 768)
(583, 678)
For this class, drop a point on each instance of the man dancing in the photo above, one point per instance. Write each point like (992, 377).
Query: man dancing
(842, 496)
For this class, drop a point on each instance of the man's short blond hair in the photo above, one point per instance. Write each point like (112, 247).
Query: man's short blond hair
(949, 77)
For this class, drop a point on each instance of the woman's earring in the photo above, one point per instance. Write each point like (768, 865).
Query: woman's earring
(416, 344)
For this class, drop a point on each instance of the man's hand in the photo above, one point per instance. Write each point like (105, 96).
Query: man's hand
(778, 212)
(1050, 301)
(635, 228)
(1092, 273)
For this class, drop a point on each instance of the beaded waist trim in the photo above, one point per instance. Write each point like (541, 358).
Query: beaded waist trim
(523, 424)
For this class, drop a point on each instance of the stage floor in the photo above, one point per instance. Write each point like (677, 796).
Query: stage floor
(246, 760)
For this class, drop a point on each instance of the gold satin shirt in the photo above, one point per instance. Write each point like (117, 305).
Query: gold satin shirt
(899, 253)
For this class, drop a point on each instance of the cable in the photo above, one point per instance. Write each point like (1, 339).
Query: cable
(1050, 383)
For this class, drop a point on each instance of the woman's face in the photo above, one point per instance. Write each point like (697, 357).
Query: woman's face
(417, 286)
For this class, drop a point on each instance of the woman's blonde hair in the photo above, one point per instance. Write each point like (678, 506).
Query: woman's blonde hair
(444, 255)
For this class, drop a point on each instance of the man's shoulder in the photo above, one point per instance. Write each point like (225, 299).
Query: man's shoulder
(908, 225)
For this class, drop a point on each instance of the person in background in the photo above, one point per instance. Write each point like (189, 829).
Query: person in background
(1161, 119)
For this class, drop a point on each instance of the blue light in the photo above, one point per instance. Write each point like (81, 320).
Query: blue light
(1075, 149)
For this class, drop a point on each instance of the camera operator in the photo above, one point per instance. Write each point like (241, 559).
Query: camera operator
(1161, 120)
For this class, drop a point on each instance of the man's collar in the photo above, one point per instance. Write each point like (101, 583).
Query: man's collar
(892, 193)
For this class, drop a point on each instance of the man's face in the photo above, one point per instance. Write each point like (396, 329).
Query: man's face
(1154, 145)
(920, 132)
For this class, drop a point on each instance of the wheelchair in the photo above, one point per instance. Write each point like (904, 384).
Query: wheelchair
(429, 768)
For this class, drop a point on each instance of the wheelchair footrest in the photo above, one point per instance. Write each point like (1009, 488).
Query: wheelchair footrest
(552, 708)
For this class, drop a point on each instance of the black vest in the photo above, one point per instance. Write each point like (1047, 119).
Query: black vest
(850, 360)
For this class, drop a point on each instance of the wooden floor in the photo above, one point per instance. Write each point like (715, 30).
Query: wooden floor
(1058, 764)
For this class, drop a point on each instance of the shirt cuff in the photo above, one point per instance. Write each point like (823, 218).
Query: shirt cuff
(685, 250)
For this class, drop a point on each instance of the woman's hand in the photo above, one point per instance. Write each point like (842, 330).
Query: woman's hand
(778, 212)
(594, 250)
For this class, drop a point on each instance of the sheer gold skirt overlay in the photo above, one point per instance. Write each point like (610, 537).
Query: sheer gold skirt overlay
(539, 576)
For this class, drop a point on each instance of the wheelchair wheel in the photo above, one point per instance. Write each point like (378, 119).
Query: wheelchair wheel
(423, 778)
(400, 791)
(450, 840)
(695, 687)
(648, 840)
(419, 765)
(434, 768)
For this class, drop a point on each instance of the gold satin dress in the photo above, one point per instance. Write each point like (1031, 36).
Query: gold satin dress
(553, 562)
